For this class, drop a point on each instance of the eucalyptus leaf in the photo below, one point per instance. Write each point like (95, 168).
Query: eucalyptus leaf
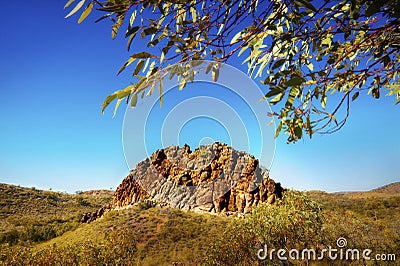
(68, 4)
(76, 8)
(86, 12)
(134, 99)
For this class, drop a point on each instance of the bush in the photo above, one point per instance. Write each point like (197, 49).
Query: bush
(39, 233)
(10, 237)
(145, 204)
(293, 222)
(32, 234)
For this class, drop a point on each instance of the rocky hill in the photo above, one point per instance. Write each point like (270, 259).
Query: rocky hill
(212, 178)
(390, 188)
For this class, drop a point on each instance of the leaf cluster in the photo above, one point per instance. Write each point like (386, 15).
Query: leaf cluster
(314, 59)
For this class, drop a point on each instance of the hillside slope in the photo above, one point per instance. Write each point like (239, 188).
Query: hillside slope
(32, 215)
(390, 188)
(138, 235)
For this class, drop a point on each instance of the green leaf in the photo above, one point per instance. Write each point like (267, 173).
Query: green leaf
(397, 98)
(271, 122)
(152, 69)
(215, 74)
(116, 107)
(191, 75)
(193, 10)
(146, 64)
(274, 91)
(278, 63)
(132, 19)
(310, 66)
(374, 7)
(298, 130)
(355, 96)
(86, 12)
(276, 99)
(116, 26)
(132, 31)
(306, 99)
(323, 101)
(386, 60)
(294, 91)
(306, 4)
(165, 49)
(354, 10)
(162, 57)
(176, 39)
(327, 40)
(278, 129)
(220, 28)
(294, 81)
(125, 92)
(209, 67)
(128, 47)
(76, 8)
(375, 93)
(182, 84)
(68, 4)
(138, 67)
(354, 55)
(134, 100)
(150, 92)
(127, 63)
(236, 37)
(107, 101)
(149, 31)
(242, 50)
(141, 55)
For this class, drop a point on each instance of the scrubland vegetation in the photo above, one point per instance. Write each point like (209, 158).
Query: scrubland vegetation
(49, 233)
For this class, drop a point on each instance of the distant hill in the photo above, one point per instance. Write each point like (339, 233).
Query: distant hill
(99, 192)
(391, 188)
(386, 190)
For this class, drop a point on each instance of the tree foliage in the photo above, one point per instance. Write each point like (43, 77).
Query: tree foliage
(314, 57)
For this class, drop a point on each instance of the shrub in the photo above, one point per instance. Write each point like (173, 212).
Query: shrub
(10, 237)
(39, 233)
(145, 204)
(294, 222)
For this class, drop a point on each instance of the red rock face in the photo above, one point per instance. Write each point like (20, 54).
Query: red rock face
(212, 178)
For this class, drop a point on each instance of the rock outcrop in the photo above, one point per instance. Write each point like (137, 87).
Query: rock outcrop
(212, 178)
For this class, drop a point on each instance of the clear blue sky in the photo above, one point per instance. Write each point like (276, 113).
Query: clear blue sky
(54, 75)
